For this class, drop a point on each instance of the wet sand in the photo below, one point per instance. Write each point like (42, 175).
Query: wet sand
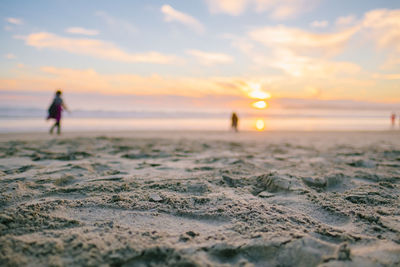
(200, 199)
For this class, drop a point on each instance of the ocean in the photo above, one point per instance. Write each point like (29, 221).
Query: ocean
(33, 120)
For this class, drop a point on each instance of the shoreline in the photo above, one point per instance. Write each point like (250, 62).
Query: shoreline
(187, 133)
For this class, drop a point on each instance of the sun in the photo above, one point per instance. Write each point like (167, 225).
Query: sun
(260, 125)
(254, 90)
(260, 104)
(260, 94)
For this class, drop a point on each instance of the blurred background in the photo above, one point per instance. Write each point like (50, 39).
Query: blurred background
(178, 65)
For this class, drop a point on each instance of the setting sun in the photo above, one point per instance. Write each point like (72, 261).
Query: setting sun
(260, 104)
(260, 125)
(260, 94)
(255, 91)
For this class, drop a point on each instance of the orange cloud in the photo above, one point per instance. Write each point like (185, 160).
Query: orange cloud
(94, 48)
(76, 80)
(90, 81)
(302, 41)
(300, 53)
(7, 84)
(227, 6)
(296, 65)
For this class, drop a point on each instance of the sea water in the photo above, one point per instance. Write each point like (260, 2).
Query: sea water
(33, 120)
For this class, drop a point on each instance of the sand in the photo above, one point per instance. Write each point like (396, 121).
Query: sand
(200, 199)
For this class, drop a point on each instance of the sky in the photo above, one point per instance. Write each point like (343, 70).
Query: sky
(200, 54)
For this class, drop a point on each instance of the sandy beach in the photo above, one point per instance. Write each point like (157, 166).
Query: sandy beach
(200, 199)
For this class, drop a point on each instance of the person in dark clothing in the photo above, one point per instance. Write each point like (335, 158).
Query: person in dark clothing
(235, 121)
(393, 119)
(55, 111)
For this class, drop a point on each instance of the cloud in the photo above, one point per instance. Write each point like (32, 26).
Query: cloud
(88, 80)
(117, 24)
(85, 81)
(94, 48)
(227, 6)
(11, 23)
(302, 41)
(381, 26)
(207, 58)
(299, 53)
(10, 56)
(172, 14)
(83, 31)
(14, 21)
(277, 9)
(319, 24)
(302, 66)
(384, 27)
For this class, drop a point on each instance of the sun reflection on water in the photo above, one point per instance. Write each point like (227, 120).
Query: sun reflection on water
(260, 125)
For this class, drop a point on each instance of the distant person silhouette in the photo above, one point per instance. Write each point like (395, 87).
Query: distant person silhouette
(235, 121)
(55, 111)
(393, 119)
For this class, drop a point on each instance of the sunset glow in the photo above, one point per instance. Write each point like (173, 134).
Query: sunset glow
(213, 54)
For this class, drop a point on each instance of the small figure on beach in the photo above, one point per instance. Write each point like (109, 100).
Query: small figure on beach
(55, 111)
(393, 119)
(235, 121)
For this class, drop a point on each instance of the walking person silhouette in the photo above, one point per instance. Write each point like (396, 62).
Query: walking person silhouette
(234, 120)
(55, 111)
